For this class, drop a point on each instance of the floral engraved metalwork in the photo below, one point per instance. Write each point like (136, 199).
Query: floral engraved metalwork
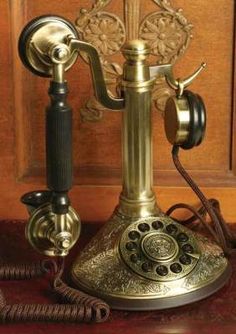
(112, 277)
(212, 262)
(159, 247)
(167, 35)
(106, 32)
(100, 267)
(167, 31)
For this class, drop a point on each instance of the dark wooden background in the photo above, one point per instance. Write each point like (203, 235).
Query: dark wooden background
(97, 149)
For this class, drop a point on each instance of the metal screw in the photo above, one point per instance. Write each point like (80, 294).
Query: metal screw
(63, 243)
(61, 53)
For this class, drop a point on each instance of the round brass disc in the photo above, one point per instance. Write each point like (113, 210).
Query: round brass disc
(159, 247)
(41, 224)
(176, 120)
(36, 39)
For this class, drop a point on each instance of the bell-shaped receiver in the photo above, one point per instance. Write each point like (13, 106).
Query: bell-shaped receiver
(42, 35)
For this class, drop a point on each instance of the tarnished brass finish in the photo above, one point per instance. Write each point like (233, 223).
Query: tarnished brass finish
(103, 96)
(178, 84)
(50, 234)
(142, 259)
(157, 247)
(49, 46)
(177, 120)
(137, 198)
(166, 25)
(103, 269)
(43, 45)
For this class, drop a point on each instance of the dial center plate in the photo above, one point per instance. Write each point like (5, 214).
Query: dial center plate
(159, 247)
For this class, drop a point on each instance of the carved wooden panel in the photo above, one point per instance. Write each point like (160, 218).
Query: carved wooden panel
(185, 38)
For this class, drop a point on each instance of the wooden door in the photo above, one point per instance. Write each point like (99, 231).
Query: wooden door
(97, 132)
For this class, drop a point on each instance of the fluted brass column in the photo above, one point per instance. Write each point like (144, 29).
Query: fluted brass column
(137, 198)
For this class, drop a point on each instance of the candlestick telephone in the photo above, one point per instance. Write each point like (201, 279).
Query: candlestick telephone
(141, 259)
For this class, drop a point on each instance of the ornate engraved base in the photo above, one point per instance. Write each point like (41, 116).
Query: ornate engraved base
(150, 263)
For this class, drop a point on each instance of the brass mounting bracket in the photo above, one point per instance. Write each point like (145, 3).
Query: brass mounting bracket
(49, 46)
(41, 233)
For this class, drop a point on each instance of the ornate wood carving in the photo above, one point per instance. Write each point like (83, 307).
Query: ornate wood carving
(167, 31)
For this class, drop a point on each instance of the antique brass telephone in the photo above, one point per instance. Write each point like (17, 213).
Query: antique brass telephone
(141, 259)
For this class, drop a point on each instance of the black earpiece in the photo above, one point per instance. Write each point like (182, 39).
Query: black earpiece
(185, 120)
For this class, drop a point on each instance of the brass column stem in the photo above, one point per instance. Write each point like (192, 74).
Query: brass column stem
(137, 198)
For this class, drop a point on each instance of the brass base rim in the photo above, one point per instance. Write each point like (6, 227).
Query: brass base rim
(151, 304)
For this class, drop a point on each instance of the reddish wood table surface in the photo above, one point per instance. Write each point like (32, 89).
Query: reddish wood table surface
(216, 314)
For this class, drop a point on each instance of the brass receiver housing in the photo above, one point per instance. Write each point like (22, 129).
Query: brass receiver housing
(42, 37)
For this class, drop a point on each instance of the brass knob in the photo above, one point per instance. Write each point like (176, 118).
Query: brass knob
(63, 242)
(136, 50)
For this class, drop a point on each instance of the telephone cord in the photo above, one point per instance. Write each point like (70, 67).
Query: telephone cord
(75, 306)
(221, 233)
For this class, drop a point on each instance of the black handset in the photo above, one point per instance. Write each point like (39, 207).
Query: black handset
(53, 226)
(51, 58)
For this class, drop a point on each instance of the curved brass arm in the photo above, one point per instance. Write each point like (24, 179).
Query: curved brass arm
(177, 84)
(98, 78)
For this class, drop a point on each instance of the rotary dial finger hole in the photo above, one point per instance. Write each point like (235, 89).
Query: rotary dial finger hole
(158, 249)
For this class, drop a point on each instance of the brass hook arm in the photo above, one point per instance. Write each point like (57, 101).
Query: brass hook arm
(167, 71)
(187, 81)
(98, 78)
